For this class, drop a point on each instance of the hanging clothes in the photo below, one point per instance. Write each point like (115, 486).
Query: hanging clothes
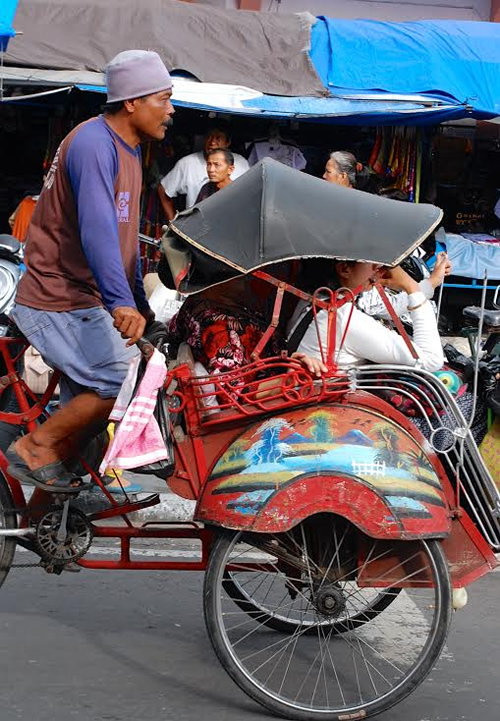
(21, 218)
(138, 440)
(279, 150)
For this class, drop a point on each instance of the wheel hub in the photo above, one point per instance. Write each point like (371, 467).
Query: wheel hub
(329, 601)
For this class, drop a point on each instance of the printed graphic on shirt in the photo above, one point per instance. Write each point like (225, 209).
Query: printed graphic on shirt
(122, 206)
(51, 175)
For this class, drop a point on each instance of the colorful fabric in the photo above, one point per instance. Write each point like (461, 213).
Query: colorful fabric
(22, 217)
(222, 339)
(490, 451)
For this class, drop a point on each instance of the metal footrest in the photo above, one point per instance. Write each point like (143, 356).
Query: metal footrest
(124, 508)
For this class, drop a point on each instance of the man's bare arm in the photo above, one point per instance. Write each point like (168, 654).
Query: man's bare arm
(166, 202)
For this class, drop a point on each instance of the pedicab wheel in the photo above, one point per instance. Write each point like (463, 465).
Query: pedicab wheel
(360, 672)
(240, 586)
(7, 520)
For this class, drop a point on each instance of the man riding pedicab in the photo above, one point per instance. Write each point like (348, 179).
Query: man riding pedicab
(81, 303)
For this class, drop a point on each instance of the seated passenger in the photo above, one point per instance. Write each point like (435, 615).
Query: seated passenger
(364, 338)
(223, 326)
(221, 329)
(371, 302)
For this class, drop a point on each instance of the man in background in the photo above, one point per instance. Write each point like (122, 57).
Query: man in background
(220, 166)
(190, 173)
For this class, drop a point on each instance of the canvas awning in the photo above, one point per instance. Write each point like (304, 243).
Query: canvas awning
(267, 65)
(266, 51)
(241, 100)
(273, 213)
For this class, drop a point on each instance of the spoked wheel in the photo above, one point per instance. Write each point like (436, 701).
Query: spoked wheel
(319, 585)
(250, 590)
(7, 520)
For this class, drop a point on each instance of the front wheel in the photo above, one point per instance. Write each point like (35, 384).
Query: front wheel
(344, 669)
(7, 521)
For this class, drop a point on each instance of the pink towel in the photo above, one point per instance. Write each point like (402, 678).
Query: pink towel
(137, 440)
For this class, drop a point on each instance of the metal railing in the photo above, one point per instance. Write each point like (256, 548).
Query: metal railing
(449, 435)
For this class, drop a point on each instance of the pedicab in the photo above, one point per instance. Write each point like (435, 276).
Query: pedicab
(334, 536)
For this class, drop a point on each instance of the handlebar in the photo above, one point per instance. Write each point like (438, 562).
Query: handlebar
(149, 240)
(146, 348)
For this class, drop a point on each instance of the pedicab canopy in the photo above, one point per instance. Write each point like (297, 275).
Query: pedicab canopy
(273, 213)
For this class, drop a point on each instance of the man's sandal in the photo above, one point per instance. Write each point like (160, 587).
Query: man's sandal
(53, 477)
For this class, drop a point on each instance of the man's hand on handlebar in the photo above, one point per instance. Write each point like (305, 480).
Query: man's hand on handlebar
(129, 322)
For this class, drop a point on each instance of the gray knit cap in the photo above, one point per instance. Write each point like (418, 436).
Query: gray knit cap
(135, 73)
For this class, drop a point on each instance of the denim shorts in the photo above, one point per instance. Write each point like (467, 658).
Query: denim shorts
(82, 344)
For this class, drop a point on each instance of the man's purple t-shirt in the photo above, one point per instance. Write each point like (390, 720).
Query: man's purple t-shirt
(82, 246)
(92, 165)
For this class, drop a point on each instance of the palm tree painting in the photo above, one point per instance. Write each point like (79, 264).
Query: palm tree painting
(387, 443)
(237, 451)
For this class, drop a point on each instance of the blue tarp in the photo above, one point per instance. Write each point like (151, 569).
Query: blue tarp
(471, 260)
(345, 111)
(7, 12)
(456, 62)
(330, 110)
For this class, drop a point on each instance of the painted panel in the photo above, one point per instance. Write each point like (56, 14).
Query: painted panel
(346, 441)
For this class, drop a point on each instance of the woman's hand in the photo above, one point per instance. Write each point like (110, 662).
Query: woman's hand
(398, 279)
(313, 365)
(441, 270)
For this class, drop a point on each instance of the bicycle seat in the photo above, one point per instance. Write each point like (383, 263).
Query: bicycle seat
(491, 317)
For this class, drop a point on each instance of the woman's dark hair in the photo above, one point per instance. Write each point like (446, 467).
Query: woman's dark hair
(229, 157)
(319, 273)
(356, 172)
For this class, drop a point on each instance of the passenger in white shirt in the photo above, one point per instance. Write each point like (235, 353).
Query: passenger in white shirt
(366, 339)
(372, 303)
(189, 174)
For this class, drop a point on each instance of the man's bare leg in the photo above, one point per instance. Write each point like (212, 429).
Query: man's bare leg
(49, 442)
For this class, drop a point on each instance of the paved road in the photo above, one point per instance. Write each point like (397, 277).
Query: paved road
(128, 646)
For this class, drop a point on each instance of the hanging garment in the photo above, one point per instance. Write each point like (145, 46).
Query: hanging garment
(21, 217)
(138, 440)
(279, 150)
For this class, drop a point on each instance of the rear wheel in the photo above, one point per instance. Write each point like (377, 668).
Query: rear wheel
(7, 521)
(323, 659)
(250, 590)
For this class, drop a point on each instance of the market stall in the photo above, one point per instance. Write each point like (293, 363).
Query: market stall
(419, 129)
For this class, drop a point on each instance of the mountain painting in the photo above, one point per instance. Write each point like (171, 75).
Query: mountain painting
(352, 441)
